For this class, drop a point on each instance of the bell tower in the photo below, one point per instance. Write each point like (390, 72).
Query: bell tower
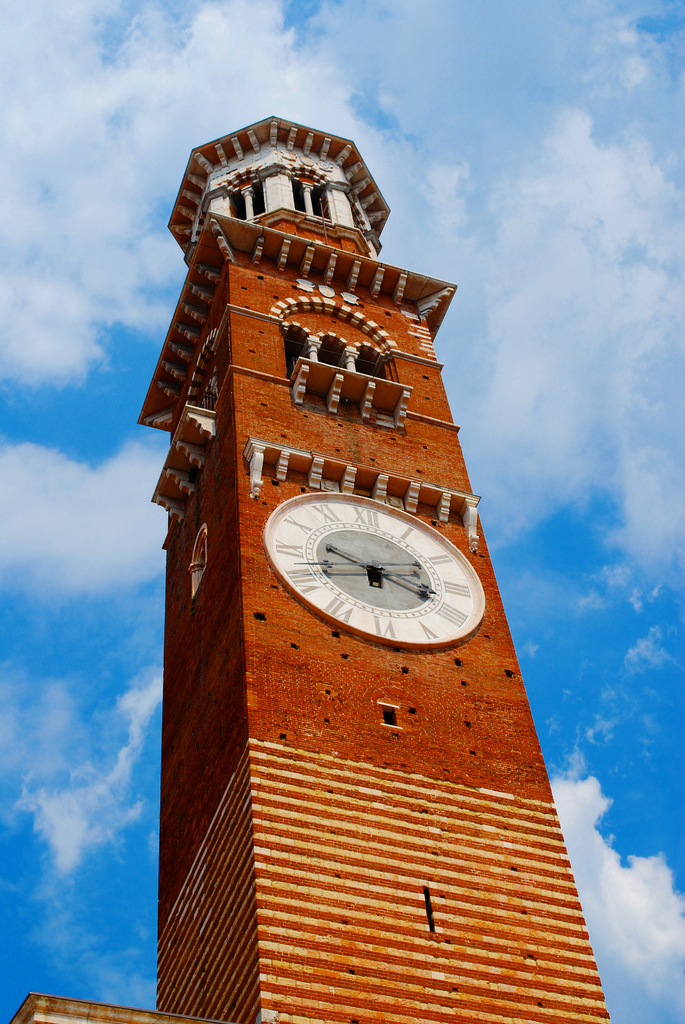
(356, 821)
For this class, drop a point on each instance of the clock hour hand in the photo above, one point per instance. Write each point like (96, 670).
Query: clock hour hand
(350, 558)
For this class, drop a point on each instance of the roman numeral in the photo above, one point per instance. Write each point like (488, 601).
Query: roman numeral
(288, 549)
(452, 614)
(294, 522)
(327, 513)
(441, 560)
(339, 609)
(456, 588)
(366, 516)
(380, 631)
(429, 635)
(303, 580)
(407, 533)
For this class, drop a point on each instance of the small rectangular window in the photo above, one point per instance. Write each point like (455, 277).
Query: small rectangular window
(389, 716)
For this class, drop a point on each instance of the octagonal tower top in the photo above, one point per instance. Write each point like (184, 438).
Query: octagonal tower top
(287, 176)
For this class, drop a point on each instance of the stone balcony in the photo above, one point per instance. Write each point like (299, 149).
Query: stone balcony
(382, 400)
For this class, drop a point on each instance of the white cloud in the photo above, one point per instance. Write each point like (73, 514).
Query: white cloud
(618, 581)
(584, 339)
(635, 917)
(101, 107)
(70, 528)
(648, 652)
(95, 804)
(576, 249)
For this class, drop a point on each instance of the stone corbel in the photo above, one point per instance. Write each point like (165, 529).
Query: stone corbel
(170, 388)
(333, 396)
(195, 453)
(196, 312)
(444, 506)
(258, 250)
(181, 478)
(157, 419)
(282, 464)
(307, 260)
(411, 497)
(366, 403)
(377, 282)
(177, 370)
(380, 487)
(469, 515)
(299, 385)
(400, 410)
(398, 293)
(330, 268)
(176, 509)
(222, 241)
(254, 453)
(315, 472)
(283, 254)
(348, 478)
(203, 419)
(189, 331)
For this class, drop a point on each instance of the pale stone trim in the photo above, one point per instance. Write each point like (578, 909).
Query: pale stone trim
(382, 484)
(195, 430)
(198, 562)
(386, 398)
(44, 1009)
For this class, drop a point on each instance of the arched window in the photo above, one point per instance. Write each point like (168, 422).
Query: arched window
(298, 195)
(370, 362)
(198, 562)
(295, 344)
(331, 350)
(239, 205)
(310, 198)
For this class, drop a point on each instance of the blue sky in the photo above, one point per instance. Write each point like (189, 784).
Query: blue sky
(530, 152)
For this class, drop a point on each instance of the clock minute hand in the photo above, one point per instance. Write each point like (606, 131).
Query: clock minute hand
(419, 588)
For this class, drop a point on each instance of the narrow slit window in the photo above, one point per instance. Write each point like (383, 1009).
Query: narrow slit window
(429, 908)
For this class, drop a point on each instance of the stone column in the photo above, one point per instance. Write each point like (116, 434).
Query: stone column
(350, 358)
(307, 192)
(313, 346)
(248, 195)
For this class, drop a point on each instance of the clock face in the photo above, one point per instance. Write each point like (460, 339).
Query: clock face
(374, 570)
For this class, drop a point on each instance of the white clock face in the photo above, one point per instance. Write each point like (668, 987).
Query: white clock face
(374, 570)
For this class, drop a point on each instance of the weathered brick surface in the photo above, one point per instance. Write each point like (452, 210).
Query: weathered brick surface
(297, 830)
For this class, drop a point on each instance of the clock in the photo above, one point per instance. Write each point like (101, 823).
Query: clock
(374, 570)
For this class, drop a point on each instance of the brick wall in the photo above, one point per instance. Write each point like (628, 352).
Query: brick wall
(455, 798)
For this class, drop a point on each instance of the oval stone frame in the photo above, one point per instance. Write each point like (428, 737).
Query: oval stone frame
(386, 636)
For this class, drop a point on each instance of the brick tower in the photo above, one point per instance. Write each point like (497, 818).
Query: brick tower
(356, 820)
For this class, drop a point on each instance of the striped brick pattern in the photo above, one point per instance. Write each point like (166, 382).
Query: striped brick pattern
(343, 852)
(207, 952)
